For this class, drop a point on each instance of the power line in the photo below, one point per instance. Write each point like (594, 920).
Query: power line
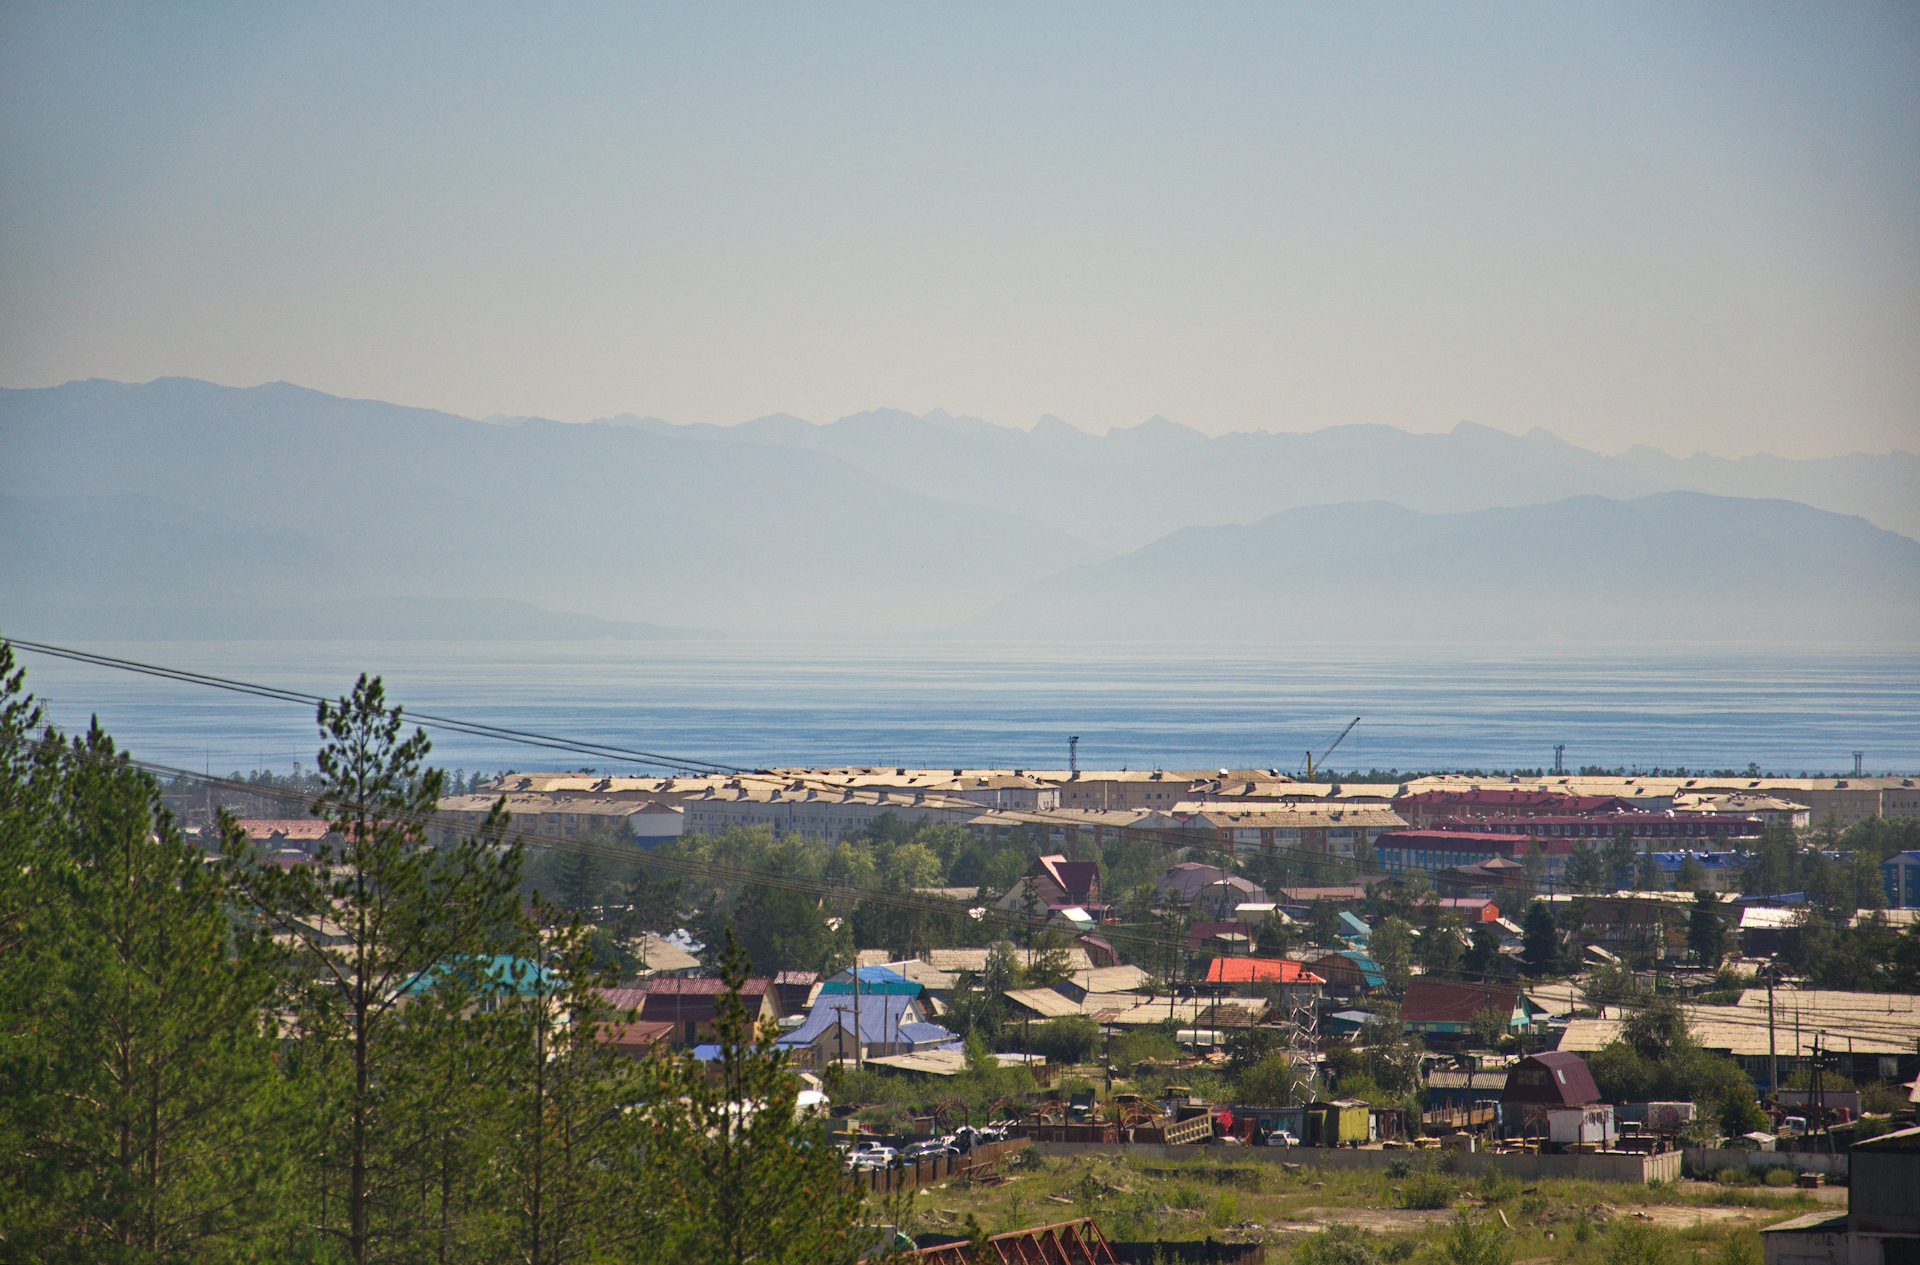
(470, 728)
(1160, 837)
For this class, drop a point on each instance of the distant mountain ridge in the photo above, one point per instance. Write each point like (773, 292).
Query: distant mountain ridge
(203, 510)
(1680, 566)
(1135, 484)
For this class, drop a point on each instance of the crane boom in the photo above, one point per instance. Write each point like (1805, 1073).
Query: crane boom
(1312, 764)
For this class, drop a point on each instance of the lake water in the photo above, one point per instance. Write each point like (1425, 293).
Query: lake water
(946, 704)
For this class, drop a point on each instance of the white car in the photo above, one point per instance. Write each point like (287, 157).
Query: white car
(1280, 1137)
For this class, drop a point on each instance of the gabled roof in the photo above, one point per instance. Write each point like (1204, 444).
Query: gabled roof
(1567, 1080)
(1260, 971)
(1075, 878)
(880, 1019)
(1431, 1001)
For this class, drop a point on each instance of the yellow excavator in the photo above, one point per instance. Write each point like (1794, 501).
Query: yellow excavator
(1313, 766)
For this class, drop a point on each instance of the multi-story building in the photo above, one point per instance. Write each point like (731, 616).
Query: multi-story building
(1299, 829)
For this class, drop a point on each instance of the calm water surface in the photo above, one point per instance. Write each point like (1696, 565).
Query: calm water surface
(1013, 704)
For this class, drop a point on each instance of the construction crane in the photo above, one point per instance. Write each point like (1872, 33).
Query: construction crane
(1313, 765)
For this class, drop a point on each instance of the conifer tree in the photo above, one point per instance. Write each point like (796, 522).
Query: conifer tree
(137, 1069)
(389, 930)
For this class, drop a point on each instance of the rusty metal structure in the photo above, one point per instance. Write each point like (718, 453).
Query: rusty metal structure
(1076, 1242)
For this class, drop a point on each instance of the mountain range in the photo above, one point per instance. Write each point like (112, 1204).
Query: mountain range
(179, 508)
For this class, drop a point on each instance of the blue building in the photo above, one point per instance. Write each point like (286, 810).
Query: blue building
(1900, 874)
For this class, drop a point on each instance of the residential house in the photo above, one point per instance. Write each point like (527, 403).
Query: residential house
(1348, 972)
(1434, 1008)
(1184, 881)
(690, 1004)
(1542, 1083)
(795, 990)
(1287, 982)
(1054, 883)
(839, 1027)
(1217, 901)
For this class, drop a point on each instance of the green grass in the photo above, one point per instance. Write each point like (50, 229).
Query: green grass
(1576, 1222)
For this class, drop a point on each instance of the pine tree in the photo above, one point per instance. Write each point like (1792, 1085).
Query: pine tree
(736, 1171)
(389, 931)
(1706, 933)
(1540, 939)
(569, 1185)
(137, 1069)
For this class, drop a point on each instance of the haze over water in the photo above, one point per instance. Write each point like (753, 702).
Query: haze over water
(944, 704)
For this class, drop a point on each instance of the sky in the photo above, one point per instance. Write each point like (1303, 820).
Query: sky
(1692, 226)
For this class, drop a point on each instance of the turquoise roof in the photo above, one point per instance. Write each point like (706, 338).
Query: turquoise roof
(875, 980)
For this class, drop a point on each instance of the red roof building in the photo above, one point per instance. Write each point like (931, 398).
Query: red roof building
(1435, 1008)
(1260, 971)
(1554, 1078)
(689, 1004)
(1285, 979)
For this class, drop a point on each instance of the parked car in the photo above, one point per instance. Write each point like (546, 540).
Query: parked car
(1280, 1137)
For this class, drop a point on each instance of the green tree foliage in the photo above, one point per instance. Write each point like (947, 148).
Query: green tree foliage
(1622, 859)
(1068, 1039)
(562, 1159)
(735, 1171)
(379, 1058)
(1539, 938)
(137, 1069)
(1392, 947)
(1656, 1059)
(1268, 1082)
(1706, 931)
(1587, 870)
(388, 932)
(1440, 950)
(1337, 1245)
(1483, 951)
(1476, 1242)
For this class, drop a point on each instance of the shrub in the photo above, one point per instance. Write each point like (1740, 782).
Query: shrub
(1428, 1189)
(1496, 1186)
(1070, 1039)
(1184, 1196)
(1476, 1243)
(1636, 1244)
(1337, 1245)
(1741, 1248)
(1227, 1211)
(1779, 1176)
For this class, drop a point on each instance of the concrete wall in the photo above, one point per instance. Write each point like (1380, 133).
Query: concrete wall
(1638, 1169)
(1703, 1159)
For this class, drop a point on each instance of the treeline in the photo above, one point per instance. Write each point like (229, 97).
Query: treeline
(386, 1056)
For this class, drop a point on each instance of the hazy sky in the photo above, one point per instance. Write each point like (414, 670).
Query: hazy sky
(1694, 226)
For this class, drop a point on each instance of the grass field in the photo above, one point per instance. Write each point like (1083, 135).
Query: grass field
(1335, 1217)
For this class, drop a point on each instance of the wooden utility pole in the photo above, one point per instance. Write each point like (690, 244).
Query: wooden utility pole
(1773, 1061)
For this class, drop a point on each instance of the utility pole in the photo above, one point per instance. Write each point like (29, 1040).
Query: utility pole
(1559, 764)
(856, 1010)
(1773, 1062)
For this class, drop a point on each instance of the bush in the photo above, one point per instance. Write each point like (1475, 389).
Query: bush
(1337, 1245)
(1636, 1244)
(1227, 1211)
(1779, 1176)
(1476, 1243)
(1428, 1190)
(1069, 1039)
(1496, 1186)
(1741, 1248)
